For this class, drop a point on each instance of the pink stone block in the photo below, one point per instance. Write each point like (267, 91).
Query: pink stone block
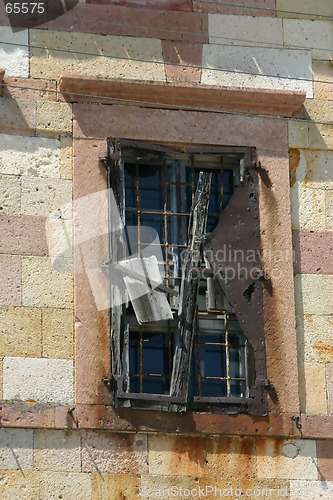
(313, 252)
(182, 61)
(10, 283)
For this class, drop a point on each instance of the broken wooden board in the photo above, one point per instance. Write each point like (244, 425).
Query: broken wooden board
(149, 303)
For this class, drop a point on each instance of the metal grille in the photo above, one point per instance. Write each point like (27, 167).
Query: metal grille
(159, 191)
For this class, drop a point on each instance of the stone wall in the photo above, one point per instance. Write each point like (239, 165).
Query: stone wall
(53, 442)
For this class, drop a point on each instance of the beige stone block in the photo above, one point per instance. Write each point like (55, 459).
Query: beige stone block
(11, 280)
(311, 490)
(32, 156)
(120, 486)
(313, 168)
(66, 155)
(65, 485)
(14, 57)
(286, 459)
(108, 56)
(272, 489)
(57, 450)
(329, 209)
(10, 189)
(57, 331)
(16, 449)
(114, 453)
(54, 118)
(313, 294)
(304, 9)
(229, 457)
(22, 485)
(308, 208)
(323, 79)
(177, 455)
(298, 134)
(40, 197)
(38, 379)
(43, 286)
(329, 387)
(318, 110)
(316, 36)
(153, 486)
(245, 30)
(20, 331)
(321, 136)
(1, 373)
(312, 389)
(314, 338)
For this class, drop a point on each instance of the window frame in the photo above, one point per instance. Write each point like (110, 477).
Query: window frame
(256, 404)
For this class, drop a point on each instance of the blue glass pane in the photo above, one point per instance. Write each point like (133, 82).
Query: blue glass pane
(155, 385)
(151, 173)
(214, 388)
(211, 224)
(214, 206)
(237, 388)
(213, 361)
(155, 359)
(177, 229)
(134, 384)
(154, 221)
(151, 196)
(134, 358)
(131, 219)
(129, 171)
(130, 195)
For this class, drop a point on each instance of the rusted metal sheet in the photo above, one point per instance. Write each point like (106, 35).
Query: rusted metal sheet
(149, 304)
(233, 250)
(189, 291)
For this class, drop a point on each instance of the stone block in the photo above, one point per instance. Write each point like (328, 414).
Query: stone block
(22, 235)
(313, 294)
(231, 457)
(43, 286)
(313, 252)
(57, 450)
(38, 379)
(313, 168)
(20, 331)
(311, 490)
(66, 154)
(10, 188)
(114, 486)
(257, 67)
(237, 7)
(298, 134)
(32, 156)
(54, 118)
(329, 387)
(57, 331)
(186, 487)
(38, 90)
(325, 459)
(318, 110)
(314, 338)
(16, 449)
(11, 280)
(182, 61)
(14, 53)
(308, 211)
(114, 453)
(274, 489)
(23, 485)
(316, 36)
(177, 455)
(329, 210)
(109, 56)
(286, 459)
(320, 136)
(65, 485)
(304, 9)
(323, 79)
(245, 31)
(17, 115)
(40, 196)
(312, 388)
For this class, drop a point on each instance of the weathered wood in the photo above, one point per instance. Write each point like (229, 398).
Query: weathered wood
(117, 252)
(149, 304)
(189, 291)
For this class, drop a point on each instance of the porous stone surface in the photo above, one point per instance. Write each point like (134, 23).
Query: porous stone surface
(10, 188)
(257, 67)
(311, 490)
(41, 197)
(14, 53)
(38, 379)
(57, 333)
(96, 55)
(316, 36)
(314, 338)
(66, 155)
(16, 450)
(11, 280)
(304, 9)
(32, 156)
(19, 484)
(20, 331)
(312, 385)
(56, 450)
(313, 294)
(54, 118)
(65, 485)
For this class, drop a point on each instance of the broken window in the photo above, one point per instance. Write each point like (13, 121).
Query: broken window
(186, 291)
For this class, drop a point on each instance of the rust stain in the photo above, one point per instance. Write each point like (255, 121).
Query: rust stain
(324, 351)
(189, 454)
(309, 319)
(294, 159)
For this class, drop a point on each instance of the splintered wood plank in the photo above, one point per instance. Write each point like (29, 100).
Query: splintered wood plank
(149, 303)
(189, 290)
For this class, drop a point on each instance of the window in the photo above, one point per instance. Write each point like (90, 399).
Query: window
(178, 343)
